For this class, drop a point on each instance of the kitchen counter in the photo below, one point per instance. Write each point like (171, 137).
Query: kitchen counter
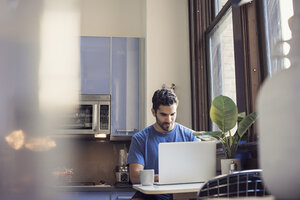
(169, 189)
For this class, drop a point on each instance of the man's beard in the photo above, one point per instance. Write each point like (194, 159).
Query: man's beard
(163, 125)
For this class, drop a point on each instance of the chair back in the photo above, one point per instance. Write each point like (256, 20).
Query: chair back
(237, 184)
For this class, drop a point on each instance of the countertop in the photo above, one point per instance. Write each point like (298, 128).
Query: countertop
(166, 189)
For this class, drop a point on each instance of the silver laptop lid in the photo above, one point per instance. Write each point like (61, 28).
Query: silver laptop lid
(186, 162)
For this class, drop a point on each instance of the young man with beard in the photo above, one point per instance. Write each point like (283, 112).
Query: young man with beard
(143, 152)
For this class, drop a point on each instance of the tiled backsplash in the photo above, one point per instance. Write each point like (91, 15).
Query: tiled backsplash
(90, 160)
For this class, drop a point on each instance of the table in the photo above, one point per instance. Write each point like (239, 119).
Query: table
(169, 189)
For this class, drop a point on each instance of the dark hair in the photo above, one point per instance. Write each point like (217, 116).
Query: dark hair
(163, 97)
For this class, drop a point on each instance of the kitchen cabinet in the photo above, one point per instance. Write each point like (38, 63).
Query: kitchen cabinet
(95, 196)
(84, 196)
(125, 86)
(111, 65)
(95, 65)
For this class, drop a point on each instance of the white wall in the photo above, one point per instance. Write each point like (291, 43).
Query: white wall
(167, 53)
(124, 18)
(164, 25)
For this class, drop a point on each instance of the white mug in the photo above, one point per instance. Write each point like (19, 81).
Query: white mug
(147, 177)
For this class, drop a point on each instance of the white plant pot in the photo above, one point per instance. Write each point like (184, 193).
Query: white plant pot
(225, 165)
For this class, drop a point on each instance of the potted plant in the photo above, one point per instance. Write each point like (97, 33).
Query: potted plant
(224, 113)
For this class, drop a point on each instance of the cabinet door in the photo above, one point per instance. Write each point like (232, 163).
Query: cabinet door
(125, 86)
(95, 65)
(84, 196)
(122, 195)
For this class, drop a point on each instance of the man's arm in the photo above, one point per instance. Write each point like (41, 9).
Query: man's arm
(134, 171)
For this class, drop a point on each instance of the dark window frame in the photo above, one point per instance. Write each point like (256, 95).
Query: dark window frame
(249, 70)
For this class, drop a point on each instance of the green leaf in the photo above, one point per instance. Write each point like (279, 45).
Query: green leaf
(224, 113)
(216, 134)
(241, 116)
(246, 123)
(236, 140)
(230, 139)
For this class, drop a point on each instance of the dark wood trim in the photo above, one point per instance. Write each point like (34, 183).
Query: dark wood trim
(219, 17)
(204, 102)
(211, 15)
(194, 54)
(253, 65)
(199, 88)
(262, 39)
(240, 57)
(193, 59)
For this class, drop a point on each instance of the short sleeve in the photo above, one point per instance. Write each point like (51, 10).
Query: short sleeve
(195, 139)
(136, 152)
(191, 136)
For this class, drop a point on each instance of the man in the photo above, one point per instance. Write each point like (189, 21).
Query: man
(143, 152)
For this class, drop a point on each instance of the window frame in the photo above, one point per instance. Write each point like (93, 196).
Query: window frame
(248, 63)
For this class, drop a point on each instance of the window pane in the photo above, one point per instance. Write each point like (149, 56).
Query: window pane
(219, 5)
(221, 59)
(277, 13)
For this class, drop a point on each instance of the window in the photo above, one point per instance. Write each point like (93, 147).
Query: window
(225, 57)
(221, 59)
(219, 5)
(234, 47)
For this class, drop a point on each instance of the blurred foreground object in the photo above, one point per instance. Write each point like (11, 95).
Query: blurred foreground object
(16, 139)
(39, 81)
(278, 124)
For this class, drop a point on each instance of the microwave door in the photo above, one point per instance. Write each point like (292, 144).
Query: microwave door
(84, 119)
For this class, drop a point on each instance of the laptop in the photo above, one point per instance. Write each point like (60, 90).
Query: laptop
(186, 162)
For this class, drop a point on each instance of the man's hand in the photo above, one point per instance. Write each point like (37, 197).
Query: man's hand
(134, 171)
(156, 178)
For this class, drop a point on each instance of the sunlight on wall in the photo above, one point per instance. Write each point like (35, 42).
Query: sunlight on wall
(59, 65)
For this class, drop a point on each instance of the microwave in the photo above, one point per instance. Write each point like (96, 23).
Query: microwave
(91, 116)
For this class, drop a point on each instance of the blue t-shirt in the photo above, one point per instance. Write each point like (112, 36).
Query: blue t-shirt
(144, 144)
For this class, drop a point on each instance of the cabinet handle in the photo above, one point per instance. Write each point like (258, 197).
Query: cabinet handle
(95, 117)
(126, 130)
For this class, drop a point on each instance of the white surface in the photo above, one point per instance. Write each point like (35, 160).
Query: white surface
(167, 55)
(186, 162)
(168, 189)
(113, 18)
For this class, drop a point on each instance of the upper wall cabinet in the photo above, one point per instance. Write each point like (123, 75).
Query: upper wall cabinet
(95, 65)
(111, 65)
(125, 86)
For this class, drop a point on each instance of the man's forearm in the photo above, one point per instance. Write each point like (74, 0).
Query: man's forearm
(134, 170)
(135, 177)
